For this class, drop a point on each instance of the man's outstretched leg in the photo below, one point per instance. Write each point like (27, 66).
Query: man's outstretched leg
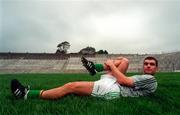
(79, 88)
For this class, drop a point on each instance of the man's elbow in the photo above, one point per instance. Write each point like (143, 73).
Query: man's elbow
(127, 82)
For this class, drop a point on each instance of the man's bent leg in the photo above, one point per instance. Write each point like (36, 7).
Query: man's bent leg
(79, 88)
(102, 67)
(123, 66)
(116, 63)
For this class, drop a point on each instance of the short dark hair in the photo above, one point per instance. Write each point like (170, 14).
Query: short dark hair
(152, 58)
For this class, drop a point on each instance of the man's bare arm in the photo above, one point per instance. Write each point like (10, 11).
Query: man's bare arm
(121, 78)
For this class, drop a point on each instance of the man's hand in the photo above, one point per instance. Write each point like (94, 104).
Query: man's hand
(109, 63)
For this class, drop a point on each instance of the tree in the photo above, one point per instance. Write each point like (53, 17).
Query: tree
(102, 52)
(105, 52)
(63, 47)
(88, 50)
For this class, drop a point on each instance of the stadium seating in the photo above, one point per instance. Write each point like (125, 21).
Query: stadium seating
(53, 63)
(30, 65)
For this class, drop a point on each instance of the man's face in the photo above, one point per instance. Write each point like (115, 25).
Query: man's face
(150, 67)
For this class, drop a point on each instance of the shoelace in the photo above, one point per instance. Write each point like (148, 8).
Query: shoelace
(26, 91)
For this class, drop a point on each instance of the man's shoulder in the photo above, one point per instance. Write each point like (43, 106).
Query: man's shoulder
(142, 77)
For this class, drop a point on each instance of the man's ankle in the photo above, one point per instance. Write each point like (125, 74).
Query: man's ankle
(99, 67)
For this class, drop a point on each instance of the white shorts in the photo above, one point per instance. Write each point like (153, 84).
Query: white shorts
(107, 87)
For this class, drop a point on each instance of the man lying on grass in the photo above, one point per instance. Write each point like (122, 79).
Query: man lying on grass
(111, 85)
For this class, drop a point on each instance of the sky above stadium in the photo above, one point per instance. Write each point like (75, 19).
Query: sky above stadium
(118, 26)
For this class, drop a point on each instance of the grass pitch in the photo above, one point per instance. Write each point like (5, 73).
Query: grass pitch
(165, 101)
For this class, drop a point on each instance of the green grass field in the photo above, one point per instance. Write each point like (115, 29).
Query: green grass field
(165, 101)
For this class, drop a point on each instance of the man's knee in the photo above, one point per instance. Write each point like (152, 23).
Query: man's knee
(125, 60)
(124, 65)
(122, 59)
